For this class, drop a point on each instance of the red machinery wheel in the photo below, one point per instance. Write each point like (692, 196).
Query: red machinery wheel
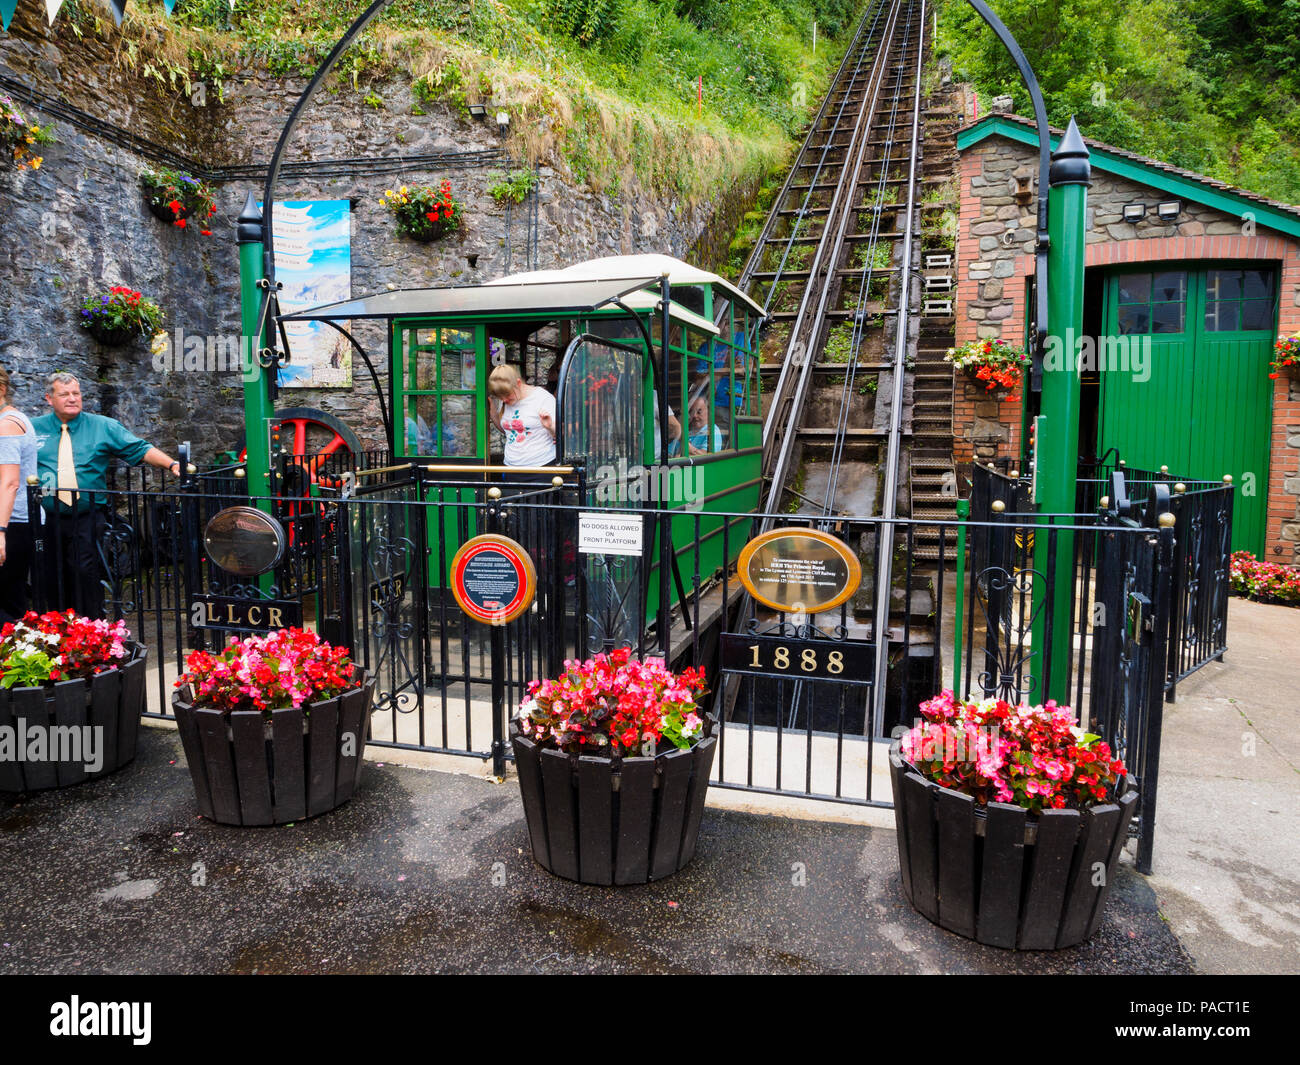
(309, 435)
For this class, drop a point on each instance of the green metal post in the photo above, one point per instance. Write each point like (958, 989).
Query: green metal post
(1056, 474)
(959, 598)
(257, 399)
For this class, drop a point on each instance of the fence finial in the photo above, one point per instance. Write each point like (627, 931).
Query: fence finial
(1180, 488)
(1166, 520)
(1227, 478)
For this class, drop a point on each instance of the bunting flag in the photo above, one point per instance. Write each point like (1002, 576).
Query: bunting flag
(52, 7)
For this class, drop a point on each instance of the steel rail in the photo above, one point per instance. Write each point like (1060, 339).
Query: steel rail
(885, 544)
(856, 48)
(859, 317)
(898, 61)
(797, 345)
(856, 51)
(785, 422)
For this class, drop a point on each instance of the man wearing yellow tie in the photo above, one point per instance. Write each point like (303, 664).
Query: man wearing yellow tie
(73, 452)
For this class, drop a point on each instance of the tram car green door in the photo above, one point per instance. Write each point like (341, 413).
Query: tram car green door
(442, 420)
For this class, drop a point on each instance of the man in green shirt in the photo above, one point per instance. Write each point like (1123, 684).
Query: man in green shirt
(73, 452)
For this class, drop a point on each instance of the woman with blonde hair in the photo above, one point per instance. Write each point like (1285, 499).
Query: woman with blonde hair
(526, 415)
(17, 463)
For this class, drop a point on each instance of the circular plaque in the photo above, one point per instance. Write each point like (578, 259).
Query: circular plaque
(800, 570)
(243, 541)
(493, 579)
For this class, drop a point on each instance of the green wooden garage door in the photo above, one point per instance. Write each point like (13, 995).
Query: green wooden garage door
(1202, 403)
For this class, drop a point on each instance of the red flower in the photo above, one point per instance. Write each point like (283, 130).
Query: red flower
(179, 222)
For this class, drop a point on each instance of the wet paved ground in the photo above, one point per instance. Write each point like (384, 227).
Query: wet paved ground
(430, 872)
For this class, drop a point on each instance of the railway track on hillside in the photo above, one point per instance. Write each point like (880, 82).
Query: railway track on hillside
(839, 268)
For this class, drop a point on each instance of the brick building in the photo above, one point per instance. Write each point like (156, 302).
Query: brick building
(1194, 277)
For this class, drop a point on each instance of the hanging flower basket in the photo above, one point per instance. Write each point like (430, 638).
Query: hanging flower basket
(266, 745)
(994, 366)
(119, 316)
(70, 704)
(422, 212)
(614, 765)
(1011, 853)
(1286, 358)
(179, 199)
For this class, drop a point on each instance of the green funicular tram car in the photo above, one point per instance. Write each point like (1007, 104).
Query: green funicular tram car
(623, 343)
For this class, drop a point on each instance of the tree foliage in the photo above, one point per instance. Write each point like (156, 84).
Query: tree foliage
(1210, 85)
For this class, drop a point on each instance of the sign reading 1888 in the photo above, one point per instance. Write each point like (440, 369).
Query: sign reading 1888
(848, 661)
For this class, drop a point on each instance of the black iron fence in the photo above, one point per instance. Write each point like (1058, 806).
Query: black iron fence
(804, 701)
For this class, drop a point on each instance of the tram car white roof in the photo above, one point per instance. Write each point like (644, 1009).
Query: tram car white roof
(614, 267)
(585, 287)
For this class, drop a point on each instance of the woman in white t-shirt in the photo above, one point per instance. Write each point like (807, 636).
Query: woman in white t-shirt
(526, 415)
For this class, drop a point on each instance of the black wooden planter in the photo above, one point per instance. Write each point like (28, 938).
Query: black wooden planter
(250, 771)
(613, 821)
(999, 876)
(111, 701)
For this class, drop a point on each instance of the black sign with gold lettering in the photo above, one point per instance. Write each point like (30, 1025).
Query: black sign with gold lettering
(848, 661)
(244, 615)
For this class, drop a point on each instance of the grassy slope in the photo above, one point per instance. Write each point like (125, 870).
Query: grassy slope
(606, 88)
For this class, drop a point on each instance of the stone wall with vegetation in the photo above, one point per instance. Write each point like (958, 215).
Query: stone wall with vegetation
(80, 223)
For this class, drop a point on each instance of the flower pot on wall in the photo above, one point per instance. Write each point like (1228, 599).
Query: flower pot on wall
(113, 337)
(613, 820)
(999, 874)
(248, 770)
(109, 703)
(162, 212)
(981, 387)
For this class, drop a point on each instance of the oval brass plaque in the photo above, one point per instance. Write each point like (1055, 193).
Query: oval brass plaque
(799, 570)
(243, 541)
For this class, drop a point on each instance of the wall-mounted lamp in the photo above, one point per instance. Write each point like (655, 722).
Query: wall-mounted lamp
(1134, 212)
(503, 122)
(1169, 210)
(478, 111)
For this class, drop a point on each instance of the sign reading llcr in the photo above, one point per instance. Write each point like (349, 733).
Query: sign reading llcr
(244, 615)
(493, 579)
